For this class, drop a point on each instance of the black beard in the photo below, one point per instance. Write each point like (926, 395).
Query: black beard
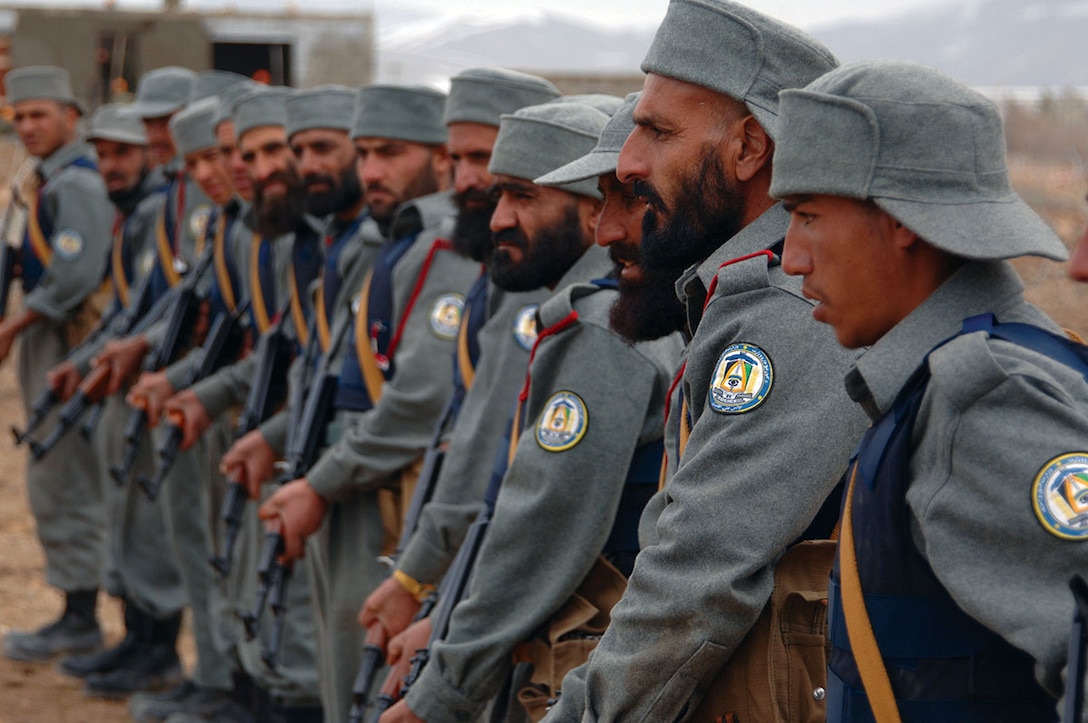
(279, 215)
(647, 310)
(544, 260)
(472, 230)
(344, 192)
(707, 212)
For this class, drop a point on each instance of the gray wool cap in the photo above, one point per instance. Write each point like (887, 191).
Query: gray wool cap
(925, 148)
(326, 106)
(229, 97)
(263, 106)
(193, 127)
(734, 50)
(605, 155)
(401, 112)
(214, 82)
(538, 139)
(483, 95)
(116, 122)
(603, 102)
(41, 82)
(163, 91)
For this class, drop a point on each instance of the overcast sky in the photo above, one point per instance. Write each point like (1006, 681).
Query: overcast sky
(804, 13)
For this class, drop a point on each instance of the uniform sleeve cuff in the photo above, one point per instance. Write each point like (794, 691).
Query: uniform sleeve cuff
(425, 562)
(327, 476)
(433, 698)
(42, 303)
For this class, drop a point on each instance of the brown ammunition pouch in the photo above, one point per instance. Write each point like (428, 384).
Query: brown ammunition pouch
(394, 501)
(566, 640)
(86, 316)
(779, 671)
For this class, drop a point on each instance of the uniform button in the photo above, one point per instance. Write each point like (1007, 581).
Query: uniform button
(819, 694)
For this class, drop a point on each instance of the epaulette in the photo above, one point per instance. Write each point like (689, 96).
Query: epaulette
(561, 305)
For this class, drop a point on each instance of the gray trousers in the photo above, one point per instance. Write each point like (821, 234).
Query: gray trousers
(64, 490)
(190, 499)
(343, 561)
(141, 567)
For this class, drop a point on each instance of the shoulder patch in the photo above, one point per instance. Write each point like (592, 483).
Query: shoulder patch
(1060, 496)
(68, 244)
(525, 327)
(742, 379)
(563, 423)
(199, 217)
(446, 316)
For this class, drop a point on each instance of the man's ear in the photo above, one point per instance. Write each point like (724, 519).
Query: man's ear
(752, 149)
(589, 210)
(442, 165)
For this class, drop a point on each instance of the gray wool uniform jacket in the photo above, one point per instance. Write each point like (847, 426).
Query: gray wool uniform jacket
(475, 435)
(395, 432)
(459, 494)
(558, 499)
(994, 417)
(755, 472)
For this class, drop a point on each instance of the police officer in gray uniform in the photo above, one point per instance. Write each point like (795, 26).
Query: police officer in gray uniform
(394, 373)
(766, 428)
(142, 571)
(965, 515)
(497, 332)
(65, 251)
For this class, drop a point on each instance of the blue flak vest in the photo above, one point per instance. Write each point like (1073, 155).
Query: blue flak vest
(352, 394)
(944, 666)
(475, 314)
(33, 268)
(306, 261)
(643, 474)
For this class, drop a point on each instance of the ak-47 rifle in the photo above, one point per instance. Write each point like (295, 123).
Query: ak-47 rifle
(1078, 653)
(222, 346)
(453, 590)
(266, 393)
(177, 336)
(92, 389)
(118, 322)
(305, 436)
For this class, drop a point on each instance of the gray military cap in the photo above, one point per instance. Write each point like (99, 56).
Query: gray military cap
(326, 106)
(400, 112)
(731, 49)
(229, 97)
(41, 82)
(925, 148)
(193, 127)
(116, 122)
(163, 91)
(483, 95)
(538, 139)
(214, 82)
(605, 155)
(263, 106)
(603, 102)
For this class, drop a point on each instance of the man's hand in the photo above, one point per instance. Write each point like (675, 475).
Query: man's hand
(186, 407)
(400, 713)
(299, 510)
(389, 606)
(8, 333)
(405, 645)
(251, 461)
(123, 357)
(63, 379)
(150, 393)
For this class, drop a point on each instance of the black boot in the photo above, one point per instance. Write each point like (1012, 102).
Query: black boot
(137, 629)
(149, 663)
(75, 631)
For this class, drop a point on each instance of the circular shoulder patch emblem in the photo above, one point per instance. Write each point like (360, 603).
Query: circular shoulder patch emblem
(446, 316)
(198, 220)
(525, 329)
(563, 423)
(1060, 496)
(68, 244)
(742, 379)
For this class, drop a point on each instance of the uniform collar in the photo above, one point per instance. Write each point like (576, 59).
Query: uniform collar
(411, 217)
(763, 233)
(979, 287)
(63, 156)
